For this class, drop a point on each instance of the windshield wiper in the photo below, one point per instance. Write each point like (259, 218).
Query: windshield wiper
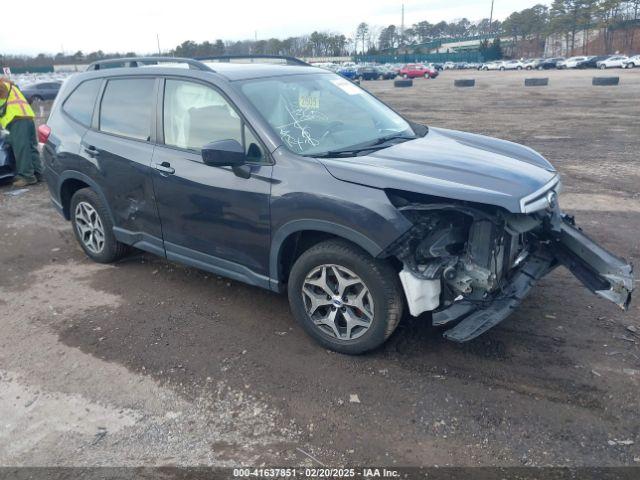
(395, 136)
(346, 153)
(377, 144)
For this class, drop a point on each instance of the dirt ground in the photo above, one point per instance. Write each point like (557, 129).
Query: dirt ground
(147, 362)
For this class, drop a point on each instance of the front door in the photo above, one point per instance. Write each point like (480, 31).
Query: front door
(211, 218)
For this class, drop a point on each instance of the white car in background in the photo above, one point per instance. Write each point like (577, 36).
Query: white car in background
(449, 66)
(491, 66)
(511, 65)
(615, 61)
(531, 63)
(571, 62)
(632, 62)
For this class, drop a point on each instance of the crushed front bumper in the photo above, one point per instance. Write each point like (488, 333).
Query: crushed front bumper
(600, 271)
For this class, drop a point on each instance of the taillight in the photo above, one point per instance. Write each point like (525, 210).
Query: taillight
(43, 133)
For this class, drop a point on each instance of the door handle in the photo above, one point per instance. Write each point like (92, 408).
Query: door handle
(164, 167)
(91, 151)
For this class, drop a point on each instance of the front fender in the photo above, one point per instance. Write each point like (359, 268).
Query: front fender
(296, 226)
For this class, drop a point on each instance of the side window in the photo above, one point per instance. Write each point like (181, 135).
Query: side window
(195, 115)
(127, 106)
(79, 105)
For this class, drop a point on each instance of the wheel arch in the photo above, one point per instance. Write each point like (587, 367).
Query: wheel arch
(295, 237)
(70, 183)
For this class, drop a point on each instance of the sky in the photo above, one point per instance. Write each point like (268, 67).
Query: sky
(132, 25)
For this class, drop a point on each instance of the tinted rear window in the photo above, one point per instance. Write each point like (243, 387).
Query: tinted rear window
(79, 104)
(126, 107)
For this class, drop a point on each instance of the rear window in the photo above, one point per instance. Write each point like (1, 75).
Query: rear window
(79, 104)
(127, 106)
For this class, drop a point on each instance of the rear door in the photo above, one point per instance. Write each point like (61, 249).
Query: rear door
(120, 148)
(211, 217)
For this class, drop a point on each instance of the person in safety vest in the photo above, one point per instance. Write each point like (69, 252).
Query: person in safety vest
(16, 116)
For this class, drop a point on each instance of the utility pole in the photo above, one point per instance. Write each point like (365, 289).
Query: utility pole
(402, 27)
(158, 42)
(491, 18)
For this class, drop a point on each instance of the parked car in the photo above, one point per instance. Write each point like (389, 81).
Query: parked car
(511, 65)
(38, 92)
(294, 179)
(348, 72)
(571, 62)
(615, 61)
(495, 65)
(472, 65)
(549, 63)
(591, 62)
(448, 66)
(7, 161)
(415, 70)
(632, 62)
(367, 73)
(531, 63)
(386, 72)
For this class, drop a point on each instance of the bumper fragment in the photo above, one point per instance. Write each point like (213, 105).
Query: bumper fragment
(477, 321)
(605, 274)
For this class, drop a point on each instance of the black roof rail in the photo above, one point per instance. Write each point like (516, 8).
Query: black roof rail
(250, 58)
(141, 61)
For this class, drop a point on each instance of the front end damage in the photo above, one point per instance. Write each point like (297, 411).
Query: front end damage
(472, 265)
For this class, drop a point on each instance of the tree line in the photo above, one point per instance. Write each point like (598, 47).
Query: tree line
(617, 20)
(570, 20)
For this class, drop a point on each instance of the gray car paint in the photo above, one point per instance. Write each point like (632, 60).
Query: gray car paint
(345, 197)
(453, 165)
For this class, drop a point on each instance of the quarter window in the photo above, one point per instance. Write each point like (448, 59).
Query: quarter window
(79, 105)
(126, 107)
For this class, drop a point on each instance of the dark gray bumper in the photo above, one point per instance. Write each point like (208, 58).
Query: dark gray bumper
(600, 271)
(478, 319)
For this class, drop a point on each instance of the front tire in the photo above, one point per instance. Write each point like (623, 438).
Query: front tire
(93, 227)
(343, 298)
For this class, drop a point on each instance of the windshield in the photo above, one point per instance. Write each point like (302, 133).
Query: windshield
(321, 114)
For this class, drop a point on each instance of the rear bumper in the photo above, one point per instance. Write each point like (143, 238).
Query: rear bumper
(603, 273)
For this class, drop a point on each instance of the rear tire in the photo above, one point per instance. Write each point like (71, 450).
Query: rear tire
(93, 227)
(336, 322)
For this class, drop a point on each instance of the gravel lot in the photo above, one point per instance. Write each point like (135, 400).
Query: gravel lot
(147, 362)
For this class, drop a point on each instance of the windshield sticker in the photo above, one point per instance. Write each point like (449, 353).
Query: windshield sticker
(346, 86)
(311, 101)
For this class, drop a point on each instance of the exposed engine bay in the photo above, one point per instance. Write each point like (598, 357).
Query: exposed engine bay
(475, 264)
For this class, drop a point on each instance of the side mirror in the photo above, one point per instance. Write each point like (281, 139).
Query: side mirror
(224, 153)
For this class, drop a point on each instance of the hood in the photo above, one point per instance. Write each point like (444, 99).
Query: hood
(452, 164)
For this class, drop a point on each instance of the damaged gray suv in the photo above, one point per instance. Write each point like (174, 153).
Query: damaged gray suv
(292, 178)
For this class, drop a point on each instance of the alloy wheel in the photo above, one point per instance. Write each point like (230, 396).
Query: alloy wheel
(338, 302)
(89, 227)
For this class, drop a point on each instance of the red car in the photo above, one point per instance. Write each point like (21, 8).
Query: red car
(415, 70)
